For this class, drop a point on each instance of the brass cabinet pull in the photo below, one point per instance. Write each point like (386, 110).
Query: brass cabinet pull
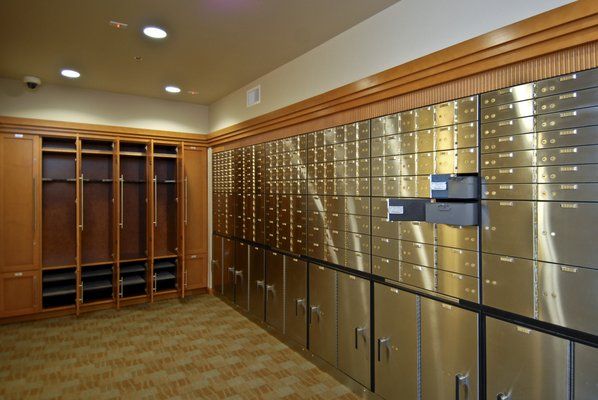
(82, 202)
(186, 200)
(460, 380)
(122, 202)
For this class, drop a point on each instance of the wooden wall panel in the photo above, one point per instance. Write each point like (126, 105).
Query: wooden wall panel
(561, 62)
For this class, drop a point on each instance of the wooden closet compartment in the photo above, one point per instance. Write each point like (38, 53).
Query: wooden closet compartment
(165, 274)
(129, 148)
(166, 207)
(133, 218)
(96, 283)
(59, 287)
(59, 144)
(59, 209)
(97, 199)
(165, 150)
(96, 146)
(133, 279)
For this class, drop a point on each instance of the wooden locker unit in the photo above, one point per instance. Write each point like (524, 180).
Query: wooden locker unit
(166, 264)
(97, 188)
(195, 217)
(60, 222)
(134, 219)
(92, 221)
(19, 224)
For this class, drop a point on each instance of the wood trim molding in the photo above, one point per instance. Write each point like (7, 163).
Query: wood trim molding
(59, 128)
(566, 27)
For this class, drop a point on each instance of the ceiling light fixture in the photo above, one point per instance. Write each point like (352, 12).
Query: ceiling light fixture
(70, 73)
(172, 89)
(154, 32)
(118, 25)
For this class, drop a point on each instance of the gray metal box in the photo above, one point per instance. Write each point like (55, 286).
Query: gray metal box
(463, 214)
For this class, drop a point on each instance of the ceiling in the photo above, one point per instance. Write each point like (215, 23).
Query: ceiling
(213, 46)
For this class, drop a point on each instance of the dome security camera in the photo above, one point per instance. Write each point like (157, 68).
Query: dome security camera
(32, 82)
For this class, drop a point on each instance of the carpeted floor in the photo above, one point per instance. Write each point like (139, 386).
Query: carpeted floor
(198, 348)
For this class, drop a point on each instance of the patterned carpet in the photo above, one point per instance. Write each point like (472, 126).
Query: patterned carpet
(198, 348)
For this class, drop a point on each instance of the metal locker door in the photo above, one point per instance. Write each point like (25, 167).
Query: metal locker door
(567, 233)
(322, 313)
(585, 372)
(508, 228)
(257, 284)
(524, 364)
(217, 264)
(354, 327)
(449, 361)
(275, 290)
(241, 275)
(228, 269)
(295, 324)
(395, 326)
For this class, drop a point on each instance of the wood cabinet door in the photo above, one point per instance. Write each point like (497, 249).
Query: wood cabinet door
(19, 293)
(19, 199)
(196, 270)
(196, 200)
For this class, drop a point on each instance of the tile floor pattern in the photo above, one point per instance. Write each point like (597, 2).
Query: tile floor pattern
(197, 348)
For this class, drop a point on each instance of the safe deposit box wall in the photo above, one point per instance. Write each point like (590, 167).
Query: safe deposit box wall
(489, 294)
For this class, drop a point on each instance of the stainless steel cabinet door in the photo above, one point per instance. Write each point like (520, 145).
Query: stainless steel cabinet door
(567, 296)
(449, 361)
(217, 264)
(567, 233)
(524, 364)
(507, 228)
(508, 284)
(322, 313)
(296, 300)
(241, 275)
(586, 372)
(354, 327)
(395, 326)
(228, 262)
(257, 283)
(275, 290)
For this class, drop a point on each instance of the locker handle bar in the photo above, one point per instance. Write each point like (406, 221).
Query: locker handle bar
(259, 284)
(270, 288)
(360, 330)
(384, 341)
(461, 379)
(238, 273)
(502, 396)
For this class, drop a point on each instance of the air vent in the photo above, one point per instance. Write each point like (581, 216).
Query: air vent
(254, 96)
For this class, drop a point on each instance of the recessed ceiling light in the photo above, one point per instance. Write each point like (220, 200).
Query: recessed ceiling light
(172, 89)
(154, 32)
(70, 73)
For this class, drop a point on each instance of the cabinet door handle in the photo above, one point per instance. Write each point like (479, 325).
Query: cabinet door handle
(360, 330)
(122, 202)
(384, 341)
(314, 309)
(82, 202)
(300, 302)
(155, 201)
(503, 396)
(270, 289)
(186, 188)
(259, 284)
(34, 204)
(461, 379)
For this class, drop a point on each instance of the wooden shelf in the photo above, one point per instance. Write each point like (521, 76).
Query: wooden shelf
(159, 155)
(173, 255)
(58, 267)
(98, 152)
(133, 153)
(58, 150)
(127, 260)
(96, 263)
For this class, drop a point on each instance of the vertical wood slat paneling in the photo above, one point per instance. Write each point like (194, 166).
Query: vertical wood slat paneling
(562, 62)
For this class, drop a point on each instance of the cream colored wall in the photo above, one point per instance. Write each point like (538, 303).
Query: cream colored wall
(405, 31)
(64, 103)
